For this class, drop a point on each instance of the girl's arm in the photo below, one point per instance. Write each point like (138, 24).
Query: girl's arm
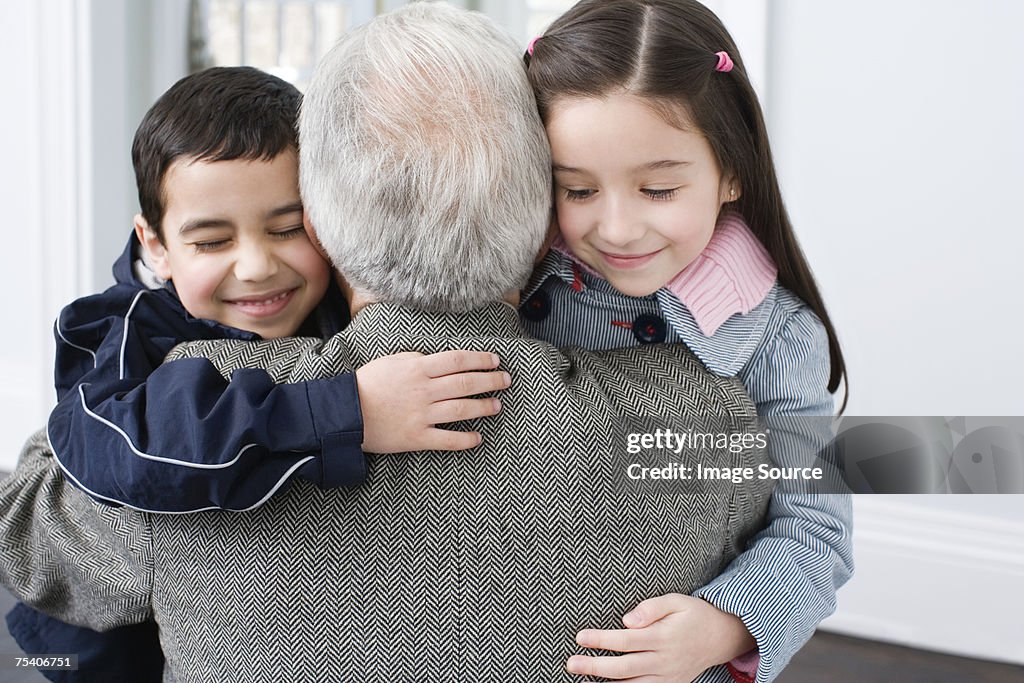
(785, 583)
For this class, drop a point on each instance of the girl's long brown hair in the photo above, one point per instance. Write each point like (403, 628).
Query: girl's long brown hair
(664, 51)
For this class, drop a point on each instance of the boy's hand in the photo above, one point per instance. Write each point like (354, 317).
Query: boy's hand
(670, 639)
(404, 395)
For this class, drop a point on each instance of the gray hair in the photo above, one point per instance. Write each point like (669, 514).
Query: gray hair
(424, 165)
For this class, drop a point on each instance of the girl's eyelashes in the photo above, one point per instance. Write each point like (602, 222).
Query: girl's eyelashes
(661, 195)
(578, 195)
(657, 195)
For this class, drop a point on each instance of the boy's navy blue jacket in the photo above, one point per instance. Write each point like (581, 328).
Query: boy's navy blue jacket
(131, 431)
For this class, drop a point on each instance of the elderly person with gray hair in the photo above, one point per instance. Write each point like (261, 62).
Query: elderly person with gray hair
(426, 176)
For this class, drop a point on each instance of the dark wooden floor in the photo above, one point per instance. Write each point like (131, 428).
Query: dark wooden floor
(827, 658)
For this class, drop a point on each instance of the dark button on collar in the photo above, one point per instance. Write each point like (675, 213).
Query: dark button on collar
(649, 329)
(537, 307)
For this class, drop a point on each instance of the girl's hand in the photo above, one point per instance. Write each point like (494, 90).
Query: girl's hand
(669, 639)
(404, 395)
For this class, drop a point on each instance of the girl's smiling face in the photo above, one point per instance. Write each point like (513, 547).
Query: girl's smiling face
(637, 199)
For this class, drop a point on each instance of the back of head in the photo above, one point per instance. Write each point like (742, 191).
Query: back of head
(424, 166)
(218, 114)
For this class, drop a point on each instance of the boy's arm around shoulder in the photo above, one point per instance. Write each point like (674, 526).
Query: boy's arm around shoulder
(180, 437)
(785, 582)
(61, 553)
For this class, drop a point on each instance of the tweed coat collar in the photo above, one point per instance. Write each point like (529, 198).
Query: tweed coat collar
(497, 319)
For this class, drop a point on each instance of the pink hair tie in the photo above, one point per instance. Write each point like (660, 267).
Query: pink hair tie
(724, 62)
(529, 47)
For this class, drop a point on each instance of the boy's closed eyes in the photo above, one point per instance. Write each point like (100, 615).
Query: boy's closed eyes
(234, 245)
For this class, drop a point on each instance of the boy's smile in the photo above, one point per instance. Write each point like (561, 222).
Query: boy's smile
(234, 244)
(260, 306)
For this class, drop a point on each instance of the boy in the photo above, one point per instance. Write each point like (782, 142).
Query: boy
(223, 255)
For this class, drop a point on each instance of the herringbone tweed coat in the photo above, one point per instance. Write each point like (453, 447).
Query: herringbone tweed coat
(478, 566)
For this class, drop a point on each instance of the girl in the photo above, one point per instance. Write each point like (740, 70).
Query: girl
(673, 229)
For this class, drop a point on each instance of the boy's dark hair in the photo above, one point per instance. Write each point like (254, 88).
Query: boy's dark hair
(664, 51)
(217, 114)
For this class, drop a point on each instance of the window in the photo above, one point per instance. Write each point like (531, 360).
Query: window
(283, 37)
(288, 37)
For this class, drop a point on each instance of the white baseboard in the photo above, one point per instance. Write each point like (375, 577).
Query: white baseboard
(935, 579)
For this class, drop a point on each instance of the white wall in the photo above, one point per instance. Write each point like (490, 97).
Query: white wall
(24, 366)
(897, 129)
(137, 50)
(84, 74)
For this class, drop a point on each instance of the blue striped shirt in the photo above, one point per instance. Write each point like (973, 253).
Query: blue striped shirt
(785, 582)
